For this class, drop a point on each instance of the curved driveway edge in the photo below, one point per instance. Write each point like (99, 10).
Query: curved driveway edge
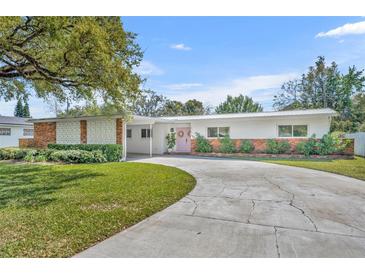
(249, 209)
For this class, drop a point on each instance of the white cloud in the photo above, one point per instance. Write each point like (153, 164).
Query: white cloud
(180, 47)
(260, 87)
(347, 29)
(147, 68)
(182, 86)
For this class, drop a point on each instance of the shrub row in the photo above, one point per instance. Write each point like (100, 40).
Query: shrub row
(112, 152)
(43, 155)
(328, 144)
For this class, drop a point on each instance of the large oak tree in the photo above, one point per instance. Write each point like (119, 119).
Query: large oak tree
(68, 58)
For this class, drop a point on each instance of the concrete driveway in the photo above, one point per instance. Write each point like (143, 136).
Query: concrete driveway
(249, 209)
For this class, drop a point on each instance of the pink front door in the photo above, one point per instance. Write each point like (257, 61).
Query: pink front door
(183, 139)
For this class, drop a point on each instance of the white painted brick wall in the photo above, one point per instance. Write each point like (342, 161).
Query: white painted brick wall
(68, 132)
(101, 131)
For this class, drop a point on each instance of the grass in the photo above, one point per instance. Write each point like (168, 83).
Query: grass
(59, 210)
(349, 167)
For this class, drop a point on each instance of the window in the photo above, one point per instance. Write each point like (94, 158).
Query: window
(293, 131)
(145, 133)
(300, 131)
(285, 131)
(27, 132)
(129, 133)
(214, 132)
(5, 131)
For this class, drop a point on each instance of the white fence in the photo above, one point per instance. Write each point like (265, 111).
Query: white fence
(359, 142)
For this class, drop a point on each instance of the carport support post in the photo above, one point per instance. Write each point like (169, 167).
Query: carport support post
(150, 140)
(124, 141)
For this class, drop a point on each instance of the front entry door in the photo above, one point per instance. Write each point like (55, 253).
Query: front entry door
(183, 139)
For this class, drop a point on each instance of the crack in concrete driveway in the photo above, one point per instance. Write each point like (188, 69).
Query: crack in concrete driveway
(246, 209)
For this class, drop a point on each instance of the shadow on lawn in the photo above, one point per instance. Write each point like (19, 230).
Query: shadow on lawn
(31, 185)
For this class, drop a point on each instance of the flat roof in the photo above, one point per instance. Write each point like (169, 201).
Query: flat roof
(11, 120)
(307, 112)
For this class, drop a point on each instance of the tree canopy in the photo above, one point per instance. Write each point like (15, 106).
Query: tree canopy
(325, 86)
(238, 104)
(68, 57)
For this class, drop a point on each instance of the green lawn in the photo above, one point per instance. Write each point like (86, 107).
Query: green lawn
(59, 210)
(352, 168)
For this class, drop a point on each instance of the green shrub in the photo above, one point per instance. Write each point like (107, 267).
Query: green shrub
(226, 145)
(29, 157)
(202, 144)
(327, 145)
(300, 147)
(277, 147)
(112, 152)
(77, 156)
(247, 146)
(12, 153)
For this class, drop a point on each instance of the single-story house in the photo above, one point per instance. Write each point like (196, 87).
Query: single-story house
(147, 135)
(13, 128)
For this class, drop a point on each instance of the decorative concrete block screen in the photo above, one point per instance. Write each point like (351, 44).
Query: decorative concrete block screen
(359, 139)
(101, 131)
(68, 132)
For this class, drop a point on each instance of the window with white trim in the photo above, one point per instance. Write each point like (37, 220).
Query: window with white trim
(129, 133)
(292, 130)
(28, 132)
(145, 133)
(5, 131)
(215, 132)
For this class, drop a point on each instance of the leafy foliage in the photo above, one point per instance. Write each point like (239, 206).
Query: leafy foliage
(68, 57)
(112, 152)
(238, 104)
(171, 140)
(277, 147)
(247, 146)
(149, 103)
(226, 145)
(328, 144)
(43, 155)
(202, 144)
(78, 156)
(325, 86)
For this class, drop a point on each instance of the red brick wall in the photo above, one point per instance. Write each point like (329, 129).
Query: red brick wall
(119, 130)
(26, 142)
(44, 134)
(83, 132)
(260, 144)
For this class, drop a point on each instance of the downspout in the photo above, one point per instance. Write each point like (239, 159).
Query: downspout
(150, 140)
(124, 158)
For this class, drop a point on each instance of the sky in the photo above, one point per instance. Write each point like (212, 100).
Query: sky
(208, 58)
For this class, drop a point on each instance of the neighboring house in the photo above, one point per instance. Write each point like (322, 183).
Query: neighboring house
(148, 134)
(13, 128)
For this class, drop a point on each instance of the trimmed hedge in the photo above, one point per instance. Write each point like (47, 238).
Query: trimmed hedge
(44, 155)
(112, 152)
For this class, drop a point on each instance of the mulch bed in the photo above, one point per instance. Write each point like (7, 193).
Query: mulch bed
(272, 156)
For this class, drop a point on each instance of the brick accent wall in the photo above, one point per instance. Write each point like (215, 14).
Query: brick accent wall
(119, 130)
(26, 142)
(83, 132)
(44, 134)
(260, 144)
